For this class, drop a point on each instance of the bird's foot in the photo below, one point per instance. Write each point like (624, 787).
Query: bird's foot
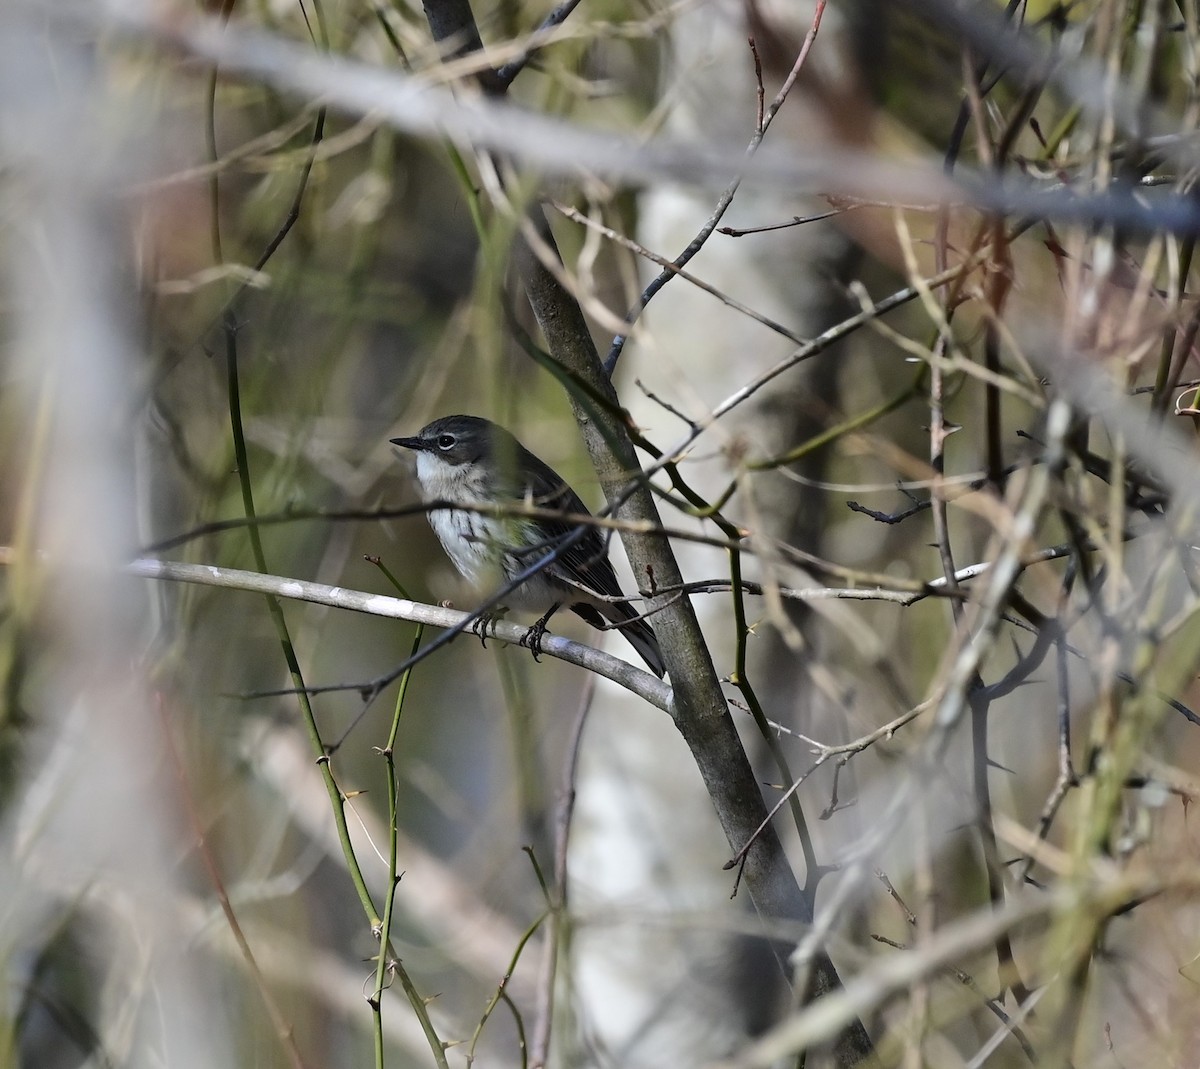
(481, 623)
(532, 639)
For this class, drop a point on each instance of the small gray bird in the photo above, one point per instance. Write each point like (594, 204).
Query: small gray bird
(472, 461)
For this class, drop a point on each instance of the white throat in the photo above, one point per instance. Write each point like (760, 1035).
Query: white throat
(446, 482)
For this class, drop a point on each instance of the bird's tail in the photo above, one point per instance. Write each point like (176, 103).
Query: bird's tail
(639, 633)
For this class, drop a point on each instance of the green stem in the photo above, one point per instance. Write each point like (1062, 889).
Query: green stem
(742, 681)
(501, 993)
(855, 423)
(336, 797)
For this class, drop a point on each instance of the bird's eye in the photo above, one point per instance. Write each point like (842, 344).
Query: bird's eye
(445, 441)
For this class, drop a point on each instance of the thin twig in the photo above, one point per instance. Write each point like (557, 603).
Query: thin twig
(723, 202)
(507, 73)
(539, 1048)
(656, 692)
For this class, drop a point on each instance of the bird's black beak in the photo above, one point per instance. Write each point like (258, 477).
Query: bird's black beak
(418, 444)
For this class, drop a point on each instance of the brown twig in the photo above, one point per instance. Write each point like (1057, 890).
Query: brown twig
(723, 202)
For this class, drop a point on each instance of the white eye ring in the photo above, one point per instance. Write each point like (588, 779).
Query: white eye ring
(445, 441)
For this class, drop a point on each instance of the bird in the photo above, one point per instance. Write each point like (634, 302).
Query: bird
(472, 461)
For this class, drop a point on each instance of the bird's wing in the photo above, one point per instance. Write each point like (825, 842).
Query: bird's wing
(585, 560)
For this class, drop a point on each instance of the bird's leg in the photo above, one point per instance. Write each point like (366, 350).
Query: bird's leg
(532, 639)
(484, 620)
